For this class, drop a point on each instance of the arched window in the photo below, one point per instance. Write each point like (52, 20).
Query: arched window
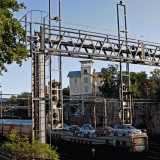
(85, 71)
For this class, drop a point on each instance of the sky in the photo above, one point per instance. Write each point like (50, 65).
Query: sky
(98, 15)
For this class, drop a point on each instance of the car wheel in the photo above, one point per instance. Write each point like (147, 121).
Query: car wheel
(116, 133)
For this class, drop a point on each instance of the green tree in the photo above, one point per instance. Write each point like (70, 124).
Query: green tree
(66, 91)
(134, 85)
(110, 81)
(21, 148)
(155, 76)
(20, 100)
(139, 84)
(12, 35)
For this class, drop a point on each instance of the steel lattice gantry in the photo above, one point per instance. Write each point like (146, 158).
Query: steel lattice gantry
(48, 40)
(97, 46)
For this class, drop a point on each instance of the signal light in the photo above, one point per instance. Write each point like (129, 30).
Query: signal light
(54, 84)
(55, 122)
(54, 98)
(55, 115)
(55, 118)
(54, 91)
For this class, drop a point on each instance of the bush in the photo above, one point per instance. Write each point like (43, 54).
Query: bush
(21, 148)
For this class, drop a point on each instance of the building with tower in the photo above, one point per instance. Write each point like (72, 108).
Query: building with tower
(85, 81)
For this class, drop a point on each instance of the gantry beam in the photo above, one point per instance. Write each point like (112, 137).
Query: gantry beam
(96, 46)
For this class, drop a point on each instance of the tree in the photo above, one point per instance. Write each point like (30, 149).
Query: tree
(21, 148)
(139, 84)
(134, 85)
(12, 35)
(110, 81)
(155, 76)
(20, 100)
(66, 91)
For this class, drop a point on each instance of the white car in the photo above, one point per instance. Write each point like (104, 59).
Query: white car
(121, 129)
(87, 129)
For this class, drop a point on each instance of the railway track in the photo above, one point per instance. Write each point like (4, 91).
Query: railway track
(84, 154)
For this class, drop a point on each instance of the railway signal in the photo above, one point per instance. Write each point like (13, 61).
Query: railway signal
(55, 118)
(54, 91)
(56, 111)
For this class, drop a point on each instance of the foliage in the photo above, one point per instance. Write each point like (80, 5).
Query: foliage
(110, 81)
(20, 99)
(141, 86)
(138, 83)
(12, 35)
(66, 91)
(21, 148)
(155, 76)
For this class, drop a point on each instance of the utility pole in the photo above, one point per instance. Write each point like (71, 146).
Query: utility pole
(105, 112)
(95, 115)
(82, 106)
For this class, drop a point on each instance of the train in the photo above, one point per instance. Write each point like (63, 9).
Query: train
(23, 127)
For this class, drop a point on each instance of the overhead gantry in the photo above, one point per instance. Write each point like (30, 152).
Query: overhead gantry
(44, 40)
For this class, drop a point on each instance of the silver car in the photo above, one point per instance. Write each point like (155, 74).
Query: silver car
(121, 129)
(87, 129)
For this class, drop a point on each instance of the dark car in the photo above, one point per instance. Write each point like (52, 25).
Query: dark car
(103, 130)
(65, 127)
(74, 128)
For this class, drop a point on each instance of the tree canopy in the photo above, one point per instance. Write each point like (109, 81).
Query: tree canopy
(66, 91)
(12, 35)
(21, 100)
(110, 81)
(142, 86)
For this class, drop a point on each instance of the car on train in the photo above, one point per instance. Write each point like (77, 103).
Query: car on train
(103, 130)
(121, 129)
(23, 127)
(74, 128)
(87, 129)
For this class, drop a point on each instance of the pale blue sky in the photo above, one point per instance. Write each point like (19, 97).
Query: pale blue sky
(142, 19)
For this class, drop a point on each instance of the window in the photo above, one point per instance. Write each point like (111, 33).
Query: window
(75, 81)
(86, 88)
(85, 79)
(75, 90)
(85, 71)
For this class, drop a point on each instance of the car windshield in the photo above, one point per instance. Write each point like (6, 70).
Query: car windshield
(131, 127)
(91, 128)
